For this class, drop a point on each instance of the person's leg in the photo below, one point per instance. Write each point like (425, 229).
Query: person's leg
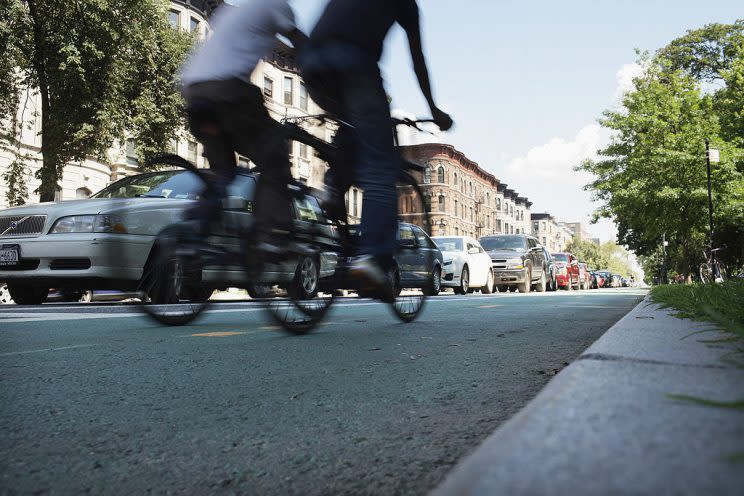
(378, 165)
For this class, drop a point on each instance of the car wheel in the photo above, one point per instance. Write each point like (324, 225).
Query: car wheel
(25, 295)
(525, 286)
(86, 297)
(436, 282)
(305, 283)
(464, 282)
(488, 288)
(542, 285)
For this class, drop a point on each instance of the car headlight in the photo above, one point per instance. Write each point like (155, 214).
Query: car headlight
(447, 262)
(88, 224)
(514, 263)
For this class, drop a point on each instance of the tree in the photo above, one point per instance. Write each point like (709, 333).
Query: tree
(705, 53)
(588, 252)
(102, 68)
(651, 179)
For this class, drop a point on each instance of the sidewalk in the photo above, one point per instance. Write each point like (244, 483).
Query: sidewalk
(607, 425)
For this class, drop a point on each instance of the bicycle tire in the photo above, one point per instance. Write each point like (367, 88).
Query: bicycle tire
(295, 313)
(183, 301)
(410, 301)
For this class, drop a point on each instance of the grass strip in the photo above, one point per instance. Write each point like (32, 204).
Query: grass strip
(722, 303)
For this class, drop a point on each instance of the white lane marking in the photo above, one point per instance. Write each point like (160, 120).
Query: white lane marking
(47, 349)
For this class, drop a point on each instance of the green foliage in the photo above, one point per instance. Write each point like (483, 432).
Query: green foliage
(588, 252)
(719, 303)
(651, 179)
(103, 68)
(705, 53)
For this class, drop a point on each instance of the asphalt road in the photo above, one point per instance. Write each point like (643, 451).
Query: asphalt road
(97, 399)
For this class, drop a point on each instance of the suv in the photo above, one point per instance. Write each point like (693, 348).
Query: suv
(518, 260)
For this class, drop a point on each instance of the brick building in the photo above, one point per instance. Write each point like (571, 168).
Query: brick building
(463, 197)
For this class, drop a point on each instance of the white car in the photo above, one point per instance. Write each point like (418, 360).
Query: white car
(68, 245)
(467, 266)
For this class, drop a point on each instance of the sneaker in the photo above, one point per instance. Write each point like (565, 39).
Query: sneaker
(369, 278)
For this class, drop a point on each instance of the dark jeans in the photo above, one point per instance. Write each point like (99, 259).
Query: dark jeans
(229, 117)
(346, 82)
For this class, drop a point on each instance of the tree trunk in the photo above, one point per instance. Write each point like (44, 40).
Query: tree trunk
(49, 172)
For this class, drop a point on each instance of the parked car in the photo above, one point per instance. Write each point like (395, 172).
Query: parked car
(594, 282)
(518, 260)
(567, 271)
(68, 245)
(467, 266)
(415, 250)
(603, 278)
(552, 283)
(585, 276)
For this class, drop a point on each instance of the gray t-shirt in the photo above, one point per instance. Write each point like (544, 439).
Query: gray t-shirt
(241, 36)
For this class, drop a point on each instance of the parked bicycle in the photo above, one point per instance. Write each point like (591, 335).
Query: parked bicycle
(171, 289)
(712, 270)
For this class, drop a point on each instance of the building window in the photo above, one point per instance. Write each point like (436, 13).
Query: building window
(498, 204)
(454, 180)
(173, 145)
(441, 203)
(440, 174)
(303, 97)
(471, 214)
(82, 193)
(427, 176)
(174, 18)
(268, 87)
(427, 202)
(355, 194)
(131, 151)
(456, 211)
(191, 152)
(303, 151)
(457, 231)
(288, 93)
(543, 240)
(194, 25)
(471, 188)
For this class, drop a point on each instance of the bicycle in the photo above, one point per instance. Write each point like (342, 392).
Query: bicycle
(171, 288)
(712, 270)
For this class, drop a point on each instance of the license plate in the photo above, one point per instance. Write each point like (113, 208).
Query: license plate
(9, 255)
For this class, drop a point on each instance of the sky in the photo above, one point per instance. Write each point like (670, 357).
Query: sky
(526, 82)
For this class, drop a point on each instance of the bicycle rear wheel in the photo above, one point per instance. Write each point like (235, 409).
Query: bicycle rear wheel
(314, 249)
(415, 270)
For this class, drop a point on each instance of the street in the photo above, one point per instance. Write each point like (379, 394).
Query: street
(98, 399)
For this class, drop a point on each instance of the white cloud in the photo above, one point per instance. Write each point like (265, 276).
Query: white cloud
(625, 76)
(556, 159)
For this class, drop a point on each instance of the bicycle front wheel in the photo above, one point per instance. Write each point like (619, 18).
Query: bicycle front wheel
(416, 271)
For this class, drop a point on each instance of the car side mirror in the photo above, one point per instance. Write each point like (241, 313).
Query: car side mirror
(407, 243)
(473, 251)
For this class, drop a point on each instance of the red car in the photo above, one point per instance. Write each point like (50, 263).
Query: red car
(567, 271)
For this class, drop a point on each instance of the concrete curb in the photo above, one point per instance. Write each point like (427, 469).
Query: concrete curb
(607, 425)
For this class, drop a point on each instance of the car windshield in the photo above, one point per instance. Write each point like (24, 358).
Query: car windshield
(560, 257)
(507, 243)
(180, 185)
(449, 244)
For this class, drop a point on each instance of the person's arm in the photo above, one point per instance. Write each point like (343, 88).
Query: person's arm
(413, 30)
